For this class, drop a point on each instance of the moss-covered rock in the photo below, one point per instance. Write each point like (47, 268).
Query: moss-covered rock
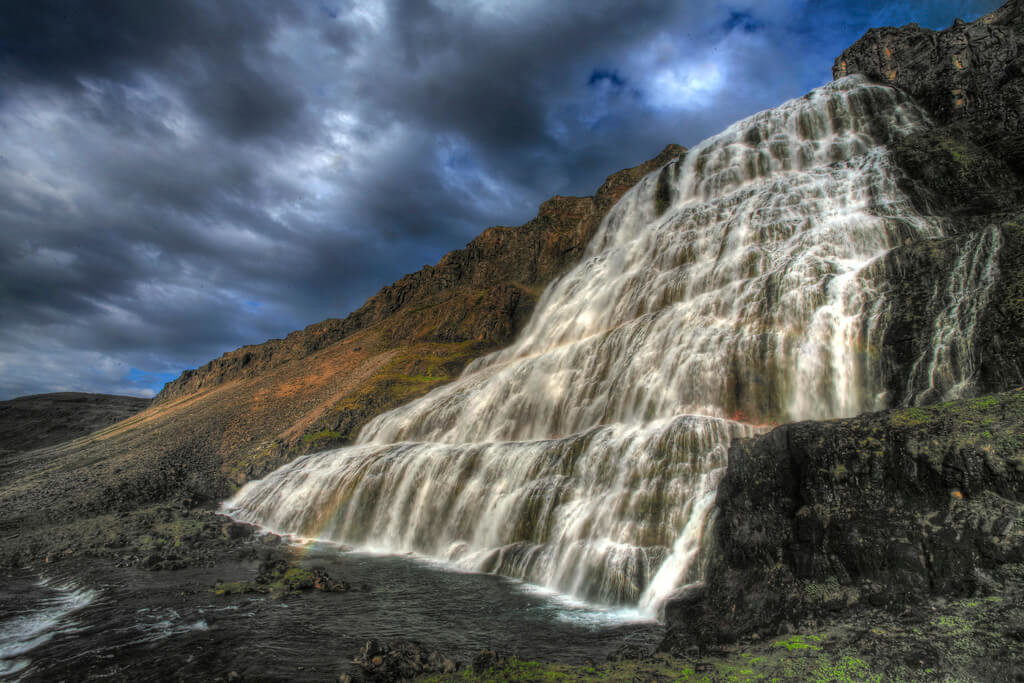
(279, 578)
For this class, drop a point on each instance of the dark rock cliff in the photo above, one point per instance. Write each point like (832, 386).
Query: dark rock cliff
(970, 76)
(877, 511)
(894, 509)
(966, 173)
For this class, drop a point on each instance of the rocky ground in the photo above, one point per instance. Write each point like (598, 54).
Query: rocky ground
(884, 547)
(970, 639)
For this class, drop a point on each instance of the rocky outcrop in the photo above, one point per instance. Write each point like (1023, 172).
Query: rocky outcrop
(970, 76)
(880, 510)
(987, 327)
(503, 269)
(965, 173)
(402, 660)
(919, 505)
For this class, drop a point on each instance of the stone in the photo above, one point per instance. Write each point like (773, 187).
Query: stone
(485, 660)
(401, 660)
(969, 75)
(888, 534)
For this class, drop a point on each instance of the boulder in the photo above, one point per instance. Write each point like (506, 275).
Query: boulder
(882, 510)
(401, 660)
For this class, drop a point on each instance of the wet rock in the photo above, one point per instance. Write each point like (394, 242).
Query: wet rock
(401, 660)
(279, 577)
(794, 542)
(236, 530)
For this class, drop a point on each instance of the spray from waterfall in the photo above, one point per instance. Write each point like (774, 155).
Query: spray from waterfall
(585, 457)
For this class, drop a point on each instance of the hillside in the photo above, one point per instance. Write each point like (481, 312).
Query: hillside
(246, 413)
(41, 420)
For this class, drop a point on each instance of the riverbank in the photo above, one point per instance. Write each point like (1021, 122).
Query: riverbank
(182, 591)
(175, 624)
(214, 620)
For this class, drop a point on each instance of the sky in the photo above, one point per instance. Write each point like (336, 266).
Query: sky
(178, 179)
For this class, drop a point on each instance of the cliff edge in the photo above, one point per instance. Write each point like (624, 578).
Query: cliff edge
(970, 76)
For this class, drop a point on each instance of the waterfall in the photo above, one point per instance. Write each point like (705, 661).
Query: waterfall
(585, 457)
(945, 369)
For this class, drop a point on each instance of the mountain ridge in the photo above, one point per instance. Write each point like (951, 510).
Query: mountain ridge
(527, 256)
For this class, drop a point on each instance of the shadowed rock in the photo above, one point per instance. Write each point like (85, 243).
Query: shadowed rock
(971, 75)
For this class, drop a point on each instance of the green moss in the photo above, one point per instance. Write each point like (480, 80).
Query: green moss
(801, 660)
(954, 624)
(909, 417)
(846, 670)
(280, 580)
(265, 457)
(320, 436)
(798, 642)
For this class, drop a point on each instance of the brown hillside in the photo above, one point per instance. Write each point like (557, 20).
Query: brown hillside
(410, 337)
(253, 409)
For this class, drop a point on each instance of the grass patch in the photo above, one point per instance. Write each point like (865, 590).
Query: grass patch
(279, 579)
(320, 436)
(798, 642)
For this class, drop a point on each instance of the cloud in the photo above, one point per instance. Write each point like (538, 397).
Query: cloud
(177, 180)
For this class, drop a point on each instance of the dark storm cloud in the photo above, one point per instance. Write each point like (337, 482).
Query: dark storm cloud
(216, 53)
(181, 178)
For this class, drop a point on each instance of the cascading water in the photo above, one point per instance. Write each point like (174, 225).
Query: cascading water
(585, 457)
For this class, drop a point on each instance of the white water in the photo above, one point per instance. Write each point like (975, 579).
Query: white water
(945, 370)
(585, 457)
(20, 633)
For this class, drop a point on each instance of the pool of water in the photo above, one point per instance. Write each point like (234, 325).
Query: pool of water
(145, 625)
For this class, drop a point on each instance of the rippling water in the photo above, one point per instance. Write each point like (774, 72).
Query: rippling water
(160, 625)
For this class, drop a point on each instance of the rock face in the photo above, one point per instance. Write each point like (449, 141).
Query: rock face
(966, 172)
(917, 278)
(970, 75)
(879, 510)
(31, 422)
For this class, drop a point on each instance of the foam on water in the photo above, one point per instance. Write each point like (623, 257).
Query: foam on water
(23, 632)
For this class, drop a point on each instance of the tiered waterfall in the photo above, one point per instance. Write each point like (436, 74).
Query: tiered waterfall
(727, 292)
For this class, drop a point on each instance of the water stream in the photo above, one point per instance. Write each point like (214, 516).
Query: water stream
(585, 457)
